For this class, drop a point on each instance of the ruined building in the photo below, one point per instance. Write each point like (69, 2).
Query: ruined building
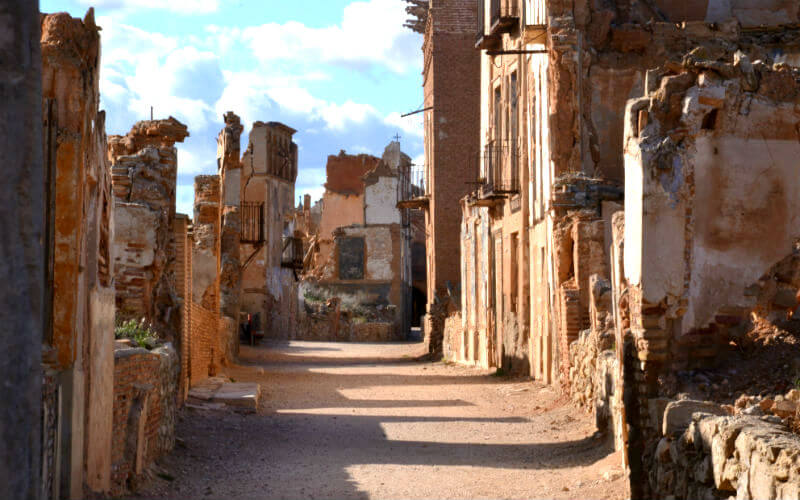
(619, 235)
(452, 126)
(78, 341)
(270, 251)
(358, 285)
(144, 165)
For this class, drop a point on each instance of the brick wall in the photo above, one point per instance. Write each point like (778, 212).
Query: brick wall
(182, 269)
(452, 87)
(205, 350)
(144, 411)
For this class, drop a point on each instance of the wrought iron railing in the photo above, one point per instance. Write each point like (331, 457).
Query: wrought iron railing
(413, 183)
(292, 256)
(252, 222)
(500, 168)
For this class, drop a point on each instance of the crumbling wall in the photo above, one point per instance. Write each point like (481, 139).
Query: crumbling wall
(705, 452)
(205, 256)
(230, 171)
(144, 166)
(269, 285)
(145, 411)
(78, 335)
(711, 208)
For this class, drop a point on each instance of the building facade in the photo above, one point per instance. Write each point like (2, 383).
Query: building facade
(269, 250)
(452, 117)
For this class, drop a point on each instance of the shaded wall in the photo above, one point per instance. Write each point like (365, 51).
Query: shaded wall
(21, 260)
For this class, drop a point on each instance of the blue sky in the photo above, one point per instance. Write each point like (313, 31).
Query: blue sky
(339, 71)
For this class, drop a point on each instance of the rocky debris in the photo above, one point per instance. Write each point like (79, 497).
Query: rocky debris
(721, 456)
(678, 415)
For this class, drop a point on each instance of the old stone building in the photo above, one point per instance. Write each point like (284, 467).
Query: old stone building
(358, 284)
(452, 94)
(78, 340)
(604, 129)
(270, 252)
(144, 166)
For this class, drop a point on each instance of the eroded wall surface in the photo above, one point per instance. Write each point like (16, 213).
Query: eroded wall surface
(21, 260)
(269, 171)
(230, 171)
(79, 335)
(144, 169)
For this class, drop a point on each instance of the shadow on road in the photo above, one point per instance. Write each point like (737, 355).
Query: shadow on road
(307, 438)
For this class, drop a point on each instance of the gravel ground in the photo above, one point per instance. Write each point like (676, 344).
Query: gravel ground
(370, 421)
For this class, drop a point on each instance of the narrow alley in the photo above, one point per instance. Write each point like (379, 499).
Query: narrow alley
(372, 421)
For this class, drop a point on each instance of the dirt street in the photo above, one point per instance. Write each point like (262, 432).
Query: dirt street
(370, 421)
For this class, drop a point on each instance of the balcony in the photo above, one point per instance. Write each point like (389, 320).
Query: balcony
(252, 223)
(413, 189)
(500, 172)
(505, 15)
(292, 255)
(485, 40)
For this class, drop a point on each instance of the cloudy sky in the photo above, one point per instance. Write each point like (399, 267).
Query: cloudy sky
(339, 71)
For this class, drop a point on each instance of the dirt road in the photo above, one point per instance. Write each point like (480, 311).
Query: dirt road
(369, 421)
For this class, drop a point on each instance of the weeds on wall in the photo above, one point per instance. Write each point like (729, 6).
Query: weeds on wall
(138, 331)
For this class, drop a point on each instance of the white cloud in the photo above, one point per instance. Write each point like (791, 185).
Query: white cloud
(143, 69)
(413, 125)
(371, 32)
(253, 94)
(181, 6)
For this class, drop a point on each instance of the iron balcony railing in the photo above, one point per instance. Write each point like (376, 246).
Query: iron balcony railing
(252, 222)
(413, 184)
(292, 256)
(500, 169)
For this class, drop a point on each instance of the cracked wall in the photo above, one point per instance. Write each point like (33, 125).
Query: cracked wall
(144, 167)
(78, 340)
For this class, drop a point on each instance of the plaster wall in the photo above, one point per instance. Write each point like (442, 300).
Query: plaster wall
(340, 210)
(380, 202)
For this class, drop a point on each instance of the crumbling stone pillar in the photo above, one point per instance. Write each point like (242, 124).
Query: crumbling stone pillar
(230, 171)
(21, 258)
(145, 170)
(205, 256)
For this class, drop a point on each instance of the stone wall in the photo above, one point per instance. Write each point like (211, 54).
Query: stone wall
(230, 171)
(705, 453)
(79, 301)
(144, 173)
(145, 411)
(206, 232)
(269, 171)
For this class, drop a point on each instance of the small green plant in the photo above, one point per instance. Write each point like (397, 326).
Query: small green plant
(137, 331)
(797, 384)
